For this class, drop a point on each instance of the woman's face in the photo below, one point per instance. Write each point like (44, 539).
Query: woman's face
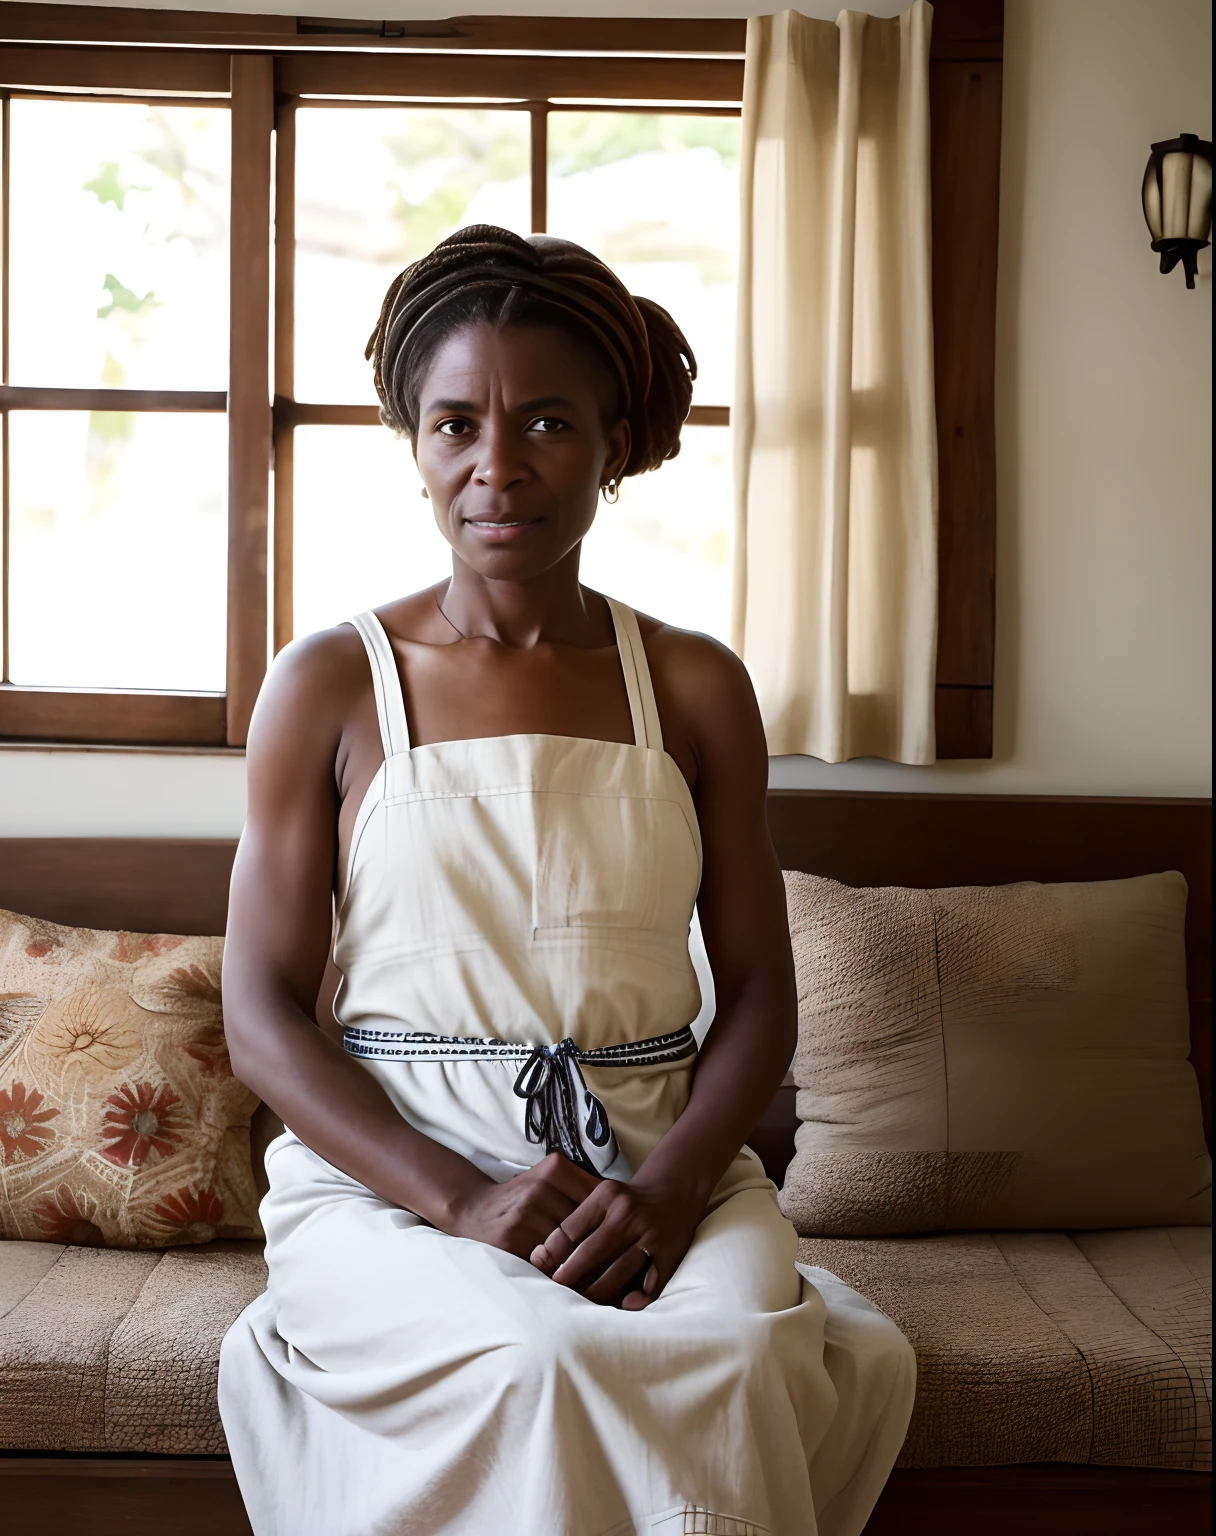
(512, 446)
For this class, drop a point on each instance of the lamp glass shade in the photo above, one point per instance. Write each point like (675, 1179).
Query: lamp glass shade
(1150, 196)
(1176, 195)
(1199, 217)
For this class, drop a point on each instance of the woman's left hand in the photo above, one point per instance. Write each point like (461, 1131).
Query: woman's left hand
(624, 1242)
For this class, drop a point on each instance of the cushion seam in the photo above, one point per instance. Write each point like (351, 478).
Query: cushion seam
(1072, 1344)
(80, 1379)
(42, 1278)
(1144, 1323)
(105, 1381)
(1205, 1289)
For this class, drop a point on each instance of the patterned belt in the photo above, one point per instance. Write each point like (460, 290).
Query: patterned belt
(550, 1080)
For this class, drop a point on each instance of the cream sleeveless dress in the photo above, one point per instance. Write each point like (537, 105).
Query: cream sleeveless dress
(503, 896)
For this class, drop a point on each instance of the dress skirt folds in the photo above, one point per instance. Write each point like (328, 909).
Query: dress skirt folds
(395, 1381)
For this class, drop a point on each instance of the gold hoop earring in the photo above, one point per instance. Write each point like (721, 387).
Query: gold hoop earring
(612, 491)
(426, 495)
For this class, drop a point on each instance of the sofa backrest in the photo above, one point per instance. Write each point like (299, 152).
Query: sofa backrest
(939, 840)
(174, 885)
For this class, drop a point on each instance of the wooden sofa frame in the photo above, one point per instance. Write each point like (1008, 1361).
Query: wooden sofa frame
(169, 885)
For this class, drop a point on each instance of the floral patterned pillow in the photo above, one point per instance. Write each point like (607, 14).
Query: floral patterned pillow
(121, 1124)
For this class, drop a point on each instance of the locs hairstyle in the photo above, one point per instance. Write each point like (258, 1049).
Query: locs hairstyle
(486, 275)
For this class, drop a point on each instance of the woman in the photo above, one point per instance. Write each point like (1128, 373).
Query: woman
(524, 1275)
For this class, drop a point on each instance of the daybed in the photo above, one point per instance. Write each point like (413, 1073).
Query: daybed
(1063, 1378)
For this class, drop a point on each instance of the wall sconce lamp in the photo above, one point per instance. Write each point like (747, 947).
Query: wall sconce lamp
(1177, 198)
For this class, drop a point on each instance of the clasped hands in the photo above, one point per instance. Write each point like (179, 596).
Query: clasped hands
(617, 1244)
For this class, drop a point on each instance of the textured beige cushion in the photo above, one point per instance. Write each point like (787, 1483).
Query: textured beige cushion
(1004, 1057)
(1089, 1347)
(121, 1123)
(117, 1351)
(1047, 1346)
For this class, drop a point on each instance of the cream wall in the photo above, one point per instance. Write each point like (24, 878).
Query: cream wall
(1104, 402)
(1103, 681)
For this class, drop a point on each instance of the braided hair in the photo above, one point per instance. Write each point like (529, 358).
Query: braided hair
(488, 275)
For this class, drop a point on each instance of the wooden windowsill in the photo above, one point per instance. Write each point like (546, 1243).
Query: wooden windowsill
(119, 746)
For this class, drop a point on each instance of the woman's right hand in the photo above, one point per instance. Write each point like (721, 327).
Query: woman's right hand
(520, 1214)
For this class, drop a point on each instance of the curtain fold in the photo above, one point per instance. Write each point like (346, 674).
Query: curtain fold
(835, 436)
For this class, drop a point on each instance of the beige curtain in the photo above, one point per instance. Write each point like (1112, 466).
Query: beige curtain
(835, 600)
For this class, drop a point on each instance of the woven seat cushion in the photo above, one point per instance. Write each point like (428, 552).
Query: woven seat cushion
(117, 1350)
(1031, 1346)
(1047, 1346)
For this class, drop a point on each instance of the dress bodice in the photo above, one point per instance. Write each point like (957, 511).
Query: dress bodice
(530, 888)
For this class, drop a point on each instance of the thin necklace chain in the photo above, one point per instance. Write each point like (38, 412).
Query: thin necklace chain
(439, 605)
(448, 622)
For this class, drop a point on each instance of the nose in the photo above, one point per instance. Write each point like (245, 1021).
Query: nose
(500, 464)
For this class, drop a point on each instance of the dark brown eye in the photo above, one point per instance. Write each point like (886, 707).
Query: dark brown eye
(455, 426)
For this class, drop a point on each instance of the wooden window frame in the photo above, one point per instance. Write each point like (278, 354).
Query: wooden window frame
(261, 67)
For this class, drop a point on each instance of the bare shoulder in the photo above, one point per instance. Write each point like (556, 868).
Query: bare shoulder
(308, 694)
(704, 692)
(325, 666)
(695, 670)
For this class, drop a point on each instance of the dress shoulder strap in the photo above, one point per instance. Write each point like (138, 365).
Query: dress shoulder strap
(647, 731)
(386, 680)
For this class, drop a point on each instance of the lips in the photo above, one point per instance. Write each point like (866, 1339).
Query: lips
(502, 529)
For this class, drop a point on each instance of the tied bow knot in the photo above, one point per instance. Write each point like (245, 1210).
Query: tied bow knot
(557, 1097)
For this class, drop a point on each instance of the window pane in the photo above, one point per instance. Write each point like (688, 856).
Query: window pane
(363, 533)
(656, 196)
(118, 558)
(375, 189)
(665, 546)
(119, 245)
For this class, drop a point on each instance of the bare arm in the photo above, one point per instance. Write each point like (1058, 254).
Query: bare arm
(743, 919)
(279, 926)
(749, 1047)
